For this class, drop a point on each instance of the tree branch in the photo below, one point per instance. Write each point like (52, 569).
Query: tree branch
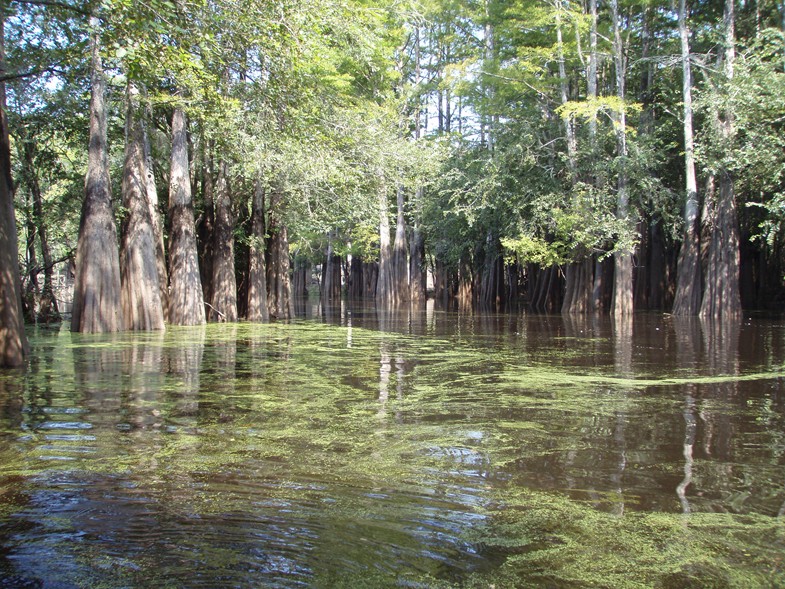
(28, 74)
(54, 4)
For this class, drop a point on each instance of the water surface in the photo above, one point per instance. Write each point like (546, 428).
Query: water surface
(415, 449)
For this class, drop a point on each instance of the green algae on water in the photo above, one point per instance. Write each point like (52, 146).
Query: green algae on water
(330, 456)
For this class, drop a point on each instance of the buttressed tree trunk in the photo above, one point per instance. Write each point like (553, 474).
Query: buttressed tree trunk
(186, 304)
(97, 307)
(280, 303)
(155, 217)
(224, 300)
(141, 294)
(721, 295)
(13, 342)
(257, 272)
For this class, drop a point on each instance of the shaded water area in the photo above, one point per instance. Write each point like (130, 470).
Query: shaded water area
(427, 448)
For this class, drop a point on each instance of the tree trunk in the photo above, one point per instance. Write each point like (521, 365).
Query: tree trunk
(331, 273)
(491, 274)
(591, 83)
(621, 304)
(48, 311)
(464, 283)
(186, 303)
(300, 275)
(223, 307)
(657, 267)
(13, 342)
(370, 279)
(721, 298)
(257, 270)
(157, 224)
(97, 300)
(602, 289)
(32, 289)
(579, 279)
(385, 293)
(439, 279)
(355, 283)
(564, 84)
(577, 289)
(546, 297)
(280, 303)
(597, 302)
(640, 273)
(399, 256)
(417, 276)
(688, 272)
(141, 294)
(242, 249)
(205, 226)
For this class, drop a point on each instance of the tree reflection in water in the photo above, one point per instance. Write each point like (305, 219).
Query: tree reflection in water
(413, 446)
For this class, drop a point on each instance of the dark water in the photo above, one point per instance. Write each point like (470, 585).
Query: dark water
(413, 449)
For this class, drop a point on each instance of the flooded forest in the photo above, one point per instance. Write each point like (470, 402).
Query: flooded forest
(392, 294)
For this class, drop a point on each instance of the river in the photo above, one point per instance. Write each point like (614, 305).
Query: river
(429, 448)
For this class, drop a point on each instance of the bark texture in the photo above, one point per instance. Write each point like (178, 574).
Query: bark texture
(579, 279)
(224, 296)
(721, 298)
(13, 342)
(141, 293)
(157, 224)
(186, 304)
(97, 307)
(257, 268)
(300, 277)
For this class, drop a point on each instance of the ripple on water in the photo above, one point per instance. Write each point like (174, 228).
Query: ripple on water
(242, 530)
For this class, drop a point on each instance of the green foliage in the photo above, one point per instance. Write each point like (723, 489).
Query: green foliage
(758, 157)
(591, 109)
(321, 102)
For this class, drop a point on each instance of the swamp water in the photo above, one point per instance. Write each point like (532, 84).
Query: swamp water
(422, 449)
